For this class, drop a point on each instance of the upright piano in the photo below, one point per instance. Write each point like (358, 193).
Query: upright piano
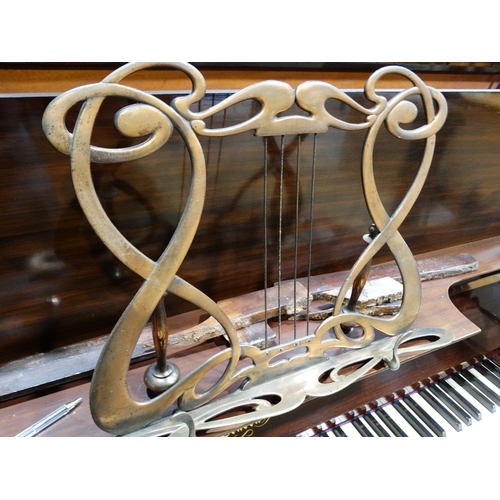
(292, 178)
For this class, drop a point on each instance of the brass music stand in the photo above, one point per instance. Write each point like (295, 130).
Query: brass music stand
(262, 382)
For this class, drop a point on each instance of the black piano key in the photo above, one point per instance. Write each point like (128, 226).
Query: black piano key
(389, 422)
(409, 417)
(445, 413)
(454, 408)
(361, 428)
(495, 363)
(339, 432)
(480, 385)
(477, 395)
(425, 417)
(464, 403)
(442, 397)
(492, 370)
(488, 375)
(375, 425)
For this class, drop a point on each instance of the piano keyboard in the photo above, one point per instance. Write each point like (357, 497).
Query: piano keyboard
(460, 401)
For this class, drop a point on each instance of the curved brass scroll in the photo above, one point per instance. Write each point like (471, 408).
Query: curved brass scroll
(112, 407)
(397, 111)
(276, 97)
(290, 380)
(291, 388)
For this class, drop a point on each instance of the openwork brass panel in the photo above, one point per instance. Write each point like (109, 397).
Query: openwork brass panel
(275, 379)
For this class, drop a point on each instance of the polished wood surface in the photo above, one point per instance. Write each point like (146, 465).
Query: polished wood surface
(474, 314)
(60, 285)
(74, 361)
(18, 78)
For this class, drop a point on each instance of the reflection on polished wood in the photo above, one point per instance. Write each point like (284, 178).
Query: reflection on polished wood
(60, 284)
(473, 311)
(263, 383)
(55, 270)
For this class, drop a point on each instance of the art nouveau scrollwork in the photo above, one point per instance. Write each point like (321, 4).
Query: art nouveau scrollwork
(288, 381)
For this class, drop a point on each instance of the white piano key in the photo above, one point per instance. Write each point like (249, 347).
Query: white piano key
(390, 424)
(350, 430)
(449, 387)
(485, 381)
(405, 426)
(424, 418)
(362, 427)
(380, 423)
(492, 366)
(483, 401)
(474, 427)
(376, 425)
(322, 427)
(484, 428)
(386, 426)
(495, 363)
(306, 433)
(486, 372)
(439, 407)
(406, 412)
(450, 404)
(449, 430)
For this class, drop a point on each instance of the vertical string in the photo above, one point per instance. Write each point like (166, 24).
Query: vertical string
(296, 249)
(210, 138)
(311, 214)
(265, 239)
(280, 231)
(215, 192)
(181, 205)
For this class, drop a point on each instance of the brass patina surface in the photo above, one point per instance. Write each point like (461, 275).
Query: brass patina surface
(267, 382)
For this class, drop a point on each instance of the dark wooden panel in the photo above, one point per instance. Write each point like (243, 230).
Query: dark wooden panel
(60, 285)
(16, 415)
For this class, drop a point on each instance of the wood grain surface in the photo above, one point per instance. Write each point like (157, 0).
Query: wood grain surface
(60, 285)
(477, 332)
